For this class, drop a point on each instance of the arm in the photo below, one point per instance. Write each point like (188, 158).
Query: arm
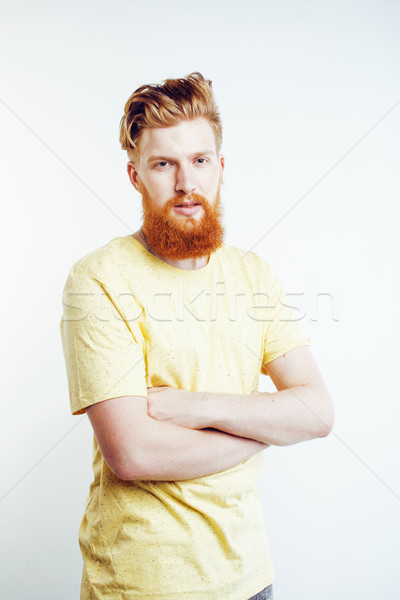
(300, 410)
(136, 446)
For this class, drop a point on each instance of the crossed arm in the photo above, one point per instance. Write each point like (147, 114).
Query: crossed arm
(168, 437)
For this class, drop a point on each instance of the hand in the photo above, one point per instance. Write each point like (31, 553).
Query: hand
(176, 406)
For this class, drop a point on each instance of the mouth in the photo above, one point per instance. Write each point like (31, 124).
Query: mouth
(187, 209)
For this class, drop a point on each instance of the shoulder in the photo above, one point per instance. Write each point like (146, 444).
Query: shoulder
(107, 272)
(113, 265)
(112, 270)
(105, 260)
(244, 259)
(248, 268)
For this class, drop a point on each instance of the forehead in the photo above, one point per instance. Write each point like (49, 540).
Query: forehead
(185, 138)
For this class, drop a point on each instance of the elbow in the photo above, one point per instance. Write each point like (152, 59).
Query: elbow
(126, 472)
(130, 467)
(327, 421)
(325, 430)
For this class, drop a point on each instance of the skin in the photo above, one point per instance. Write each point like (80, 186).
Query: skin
(168, 435)
(300, 410)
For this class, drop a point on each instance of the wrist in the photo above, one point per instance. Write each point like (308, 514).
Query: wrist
(212, 409)
(202, 410)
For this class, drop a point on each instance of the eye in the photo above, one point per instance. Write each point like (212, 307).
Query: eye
(201, 160)
(162, 164)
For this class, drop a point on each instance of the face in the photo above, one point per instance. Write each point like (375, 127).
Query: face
(179, 174)
(176, 162)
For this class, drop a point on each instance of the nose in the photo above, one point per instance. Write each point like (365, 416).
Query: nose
(184, 180)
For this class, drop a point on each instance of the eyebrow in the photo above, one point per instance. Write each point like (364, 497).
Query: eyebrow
(164, 157)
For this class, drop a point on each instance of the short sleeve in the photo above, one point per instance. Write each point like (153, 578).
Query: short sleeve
(103, 346)
(282, 332)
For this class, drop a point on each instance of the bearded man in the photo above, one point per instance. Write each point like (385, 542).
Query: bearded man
(165, 333)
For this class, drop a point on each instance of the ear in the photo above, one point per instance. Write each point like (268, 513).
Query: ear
(133, 174)
(221, 160)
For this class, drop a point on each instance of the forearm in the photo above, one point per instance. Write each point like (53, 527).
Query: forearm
(289, 416)
(173, 453)
(281, 418)
(300, 410)
(135, 446)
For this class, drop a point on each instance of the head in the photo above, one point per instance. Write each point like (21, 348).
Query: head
(166, 105)
(172, 134)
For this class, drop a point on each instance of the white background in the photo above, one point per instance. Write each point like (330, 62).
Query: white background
(305, 89)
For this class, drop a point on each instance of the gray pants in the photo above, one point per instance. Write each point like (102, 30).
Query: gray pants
(265, 594)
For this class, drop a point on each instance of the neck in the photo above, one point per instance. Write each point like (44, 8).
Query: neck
(188, 264)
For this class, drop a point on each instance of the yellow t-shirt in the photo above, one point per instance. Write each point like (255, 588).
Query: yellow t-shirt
(132, 321)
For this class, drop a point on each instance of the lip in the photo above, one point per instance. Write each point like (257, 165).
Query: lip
(187, 210)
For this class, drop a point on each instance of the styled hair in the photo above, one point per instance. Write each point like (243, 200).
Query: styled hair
(166, 105)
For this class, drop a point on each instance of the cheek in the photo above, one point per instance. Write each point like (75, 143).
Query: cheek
(214, 184)
(161, 194)
(156, 190)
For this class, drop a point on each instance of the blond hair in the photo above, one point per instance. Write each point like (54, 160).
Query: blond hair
(166, 105)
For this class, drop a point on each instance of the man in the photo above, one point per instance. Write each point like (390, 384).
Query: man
(165, 333)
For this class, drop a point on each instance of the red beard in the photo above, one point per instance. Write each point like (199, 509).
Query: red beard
(180, 238)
